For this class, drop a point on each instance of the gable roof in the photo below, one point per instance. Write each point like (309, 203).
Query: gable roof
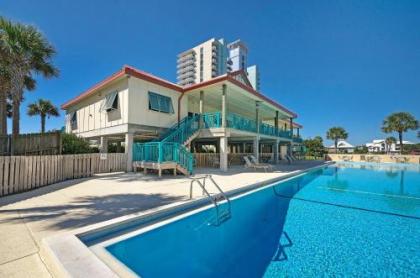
(241, 76)
(125, 71)
(131, 71)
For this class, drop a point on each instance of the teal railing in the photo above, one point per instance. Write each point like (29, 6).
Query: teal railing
(171, 148)
(285, 134)
(238, 122)
(187, 127)
(214, 119)
(163, 152)
(297, 139)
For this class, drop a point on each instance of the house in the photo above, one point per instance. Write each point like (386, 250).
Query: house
(343, 147)
(225, 112)
(380, 145)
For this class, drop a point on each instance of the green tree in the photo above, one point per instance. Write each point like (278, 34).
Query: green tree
(24, 51)
(388, 142)
(73, 144)
(336, 133)
(43, 108)
(400, 122)
(314, 147)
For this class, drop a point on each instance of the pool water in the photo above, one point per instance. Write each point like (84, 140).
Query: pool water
(348, 219)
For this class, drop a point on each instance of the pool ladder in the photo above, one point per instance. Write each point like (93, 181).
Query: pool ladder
(221, 216)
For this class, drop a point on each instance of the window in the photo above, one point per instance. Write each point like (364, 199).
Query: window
(73, 120)
(110, 102)
(160, 103)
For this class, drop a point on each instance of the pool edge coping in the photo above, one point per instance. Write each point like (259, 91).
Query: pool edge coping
(65, 254)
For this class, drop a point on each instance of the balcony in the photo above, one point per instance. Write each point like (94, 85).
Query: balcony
(214, 120)
(186, 59)
(185, 63)
(297, 140)
(186, 69)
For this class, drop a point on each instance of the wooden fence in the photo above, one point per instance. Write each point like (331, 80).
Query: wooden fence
(31, 144)
(212, 160)
(23, 173)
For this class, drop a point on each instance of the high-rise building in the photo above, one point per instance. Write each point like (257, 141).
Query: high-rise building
(213, 58)
(238, 55)
(254, 76)
(203, 62)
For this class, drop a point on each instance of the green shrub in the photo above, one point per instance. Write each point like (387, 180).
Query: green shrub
(73, 144)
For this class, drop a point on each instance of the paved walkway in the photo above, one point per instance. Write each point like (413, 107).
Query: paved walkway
(28, 217)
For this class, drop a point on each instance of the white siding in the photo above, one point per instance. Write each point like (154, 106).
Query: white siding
(139, 112)
(90, 118)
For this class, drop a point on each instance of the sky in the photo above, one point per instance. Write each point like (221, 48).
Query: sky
(335, 63)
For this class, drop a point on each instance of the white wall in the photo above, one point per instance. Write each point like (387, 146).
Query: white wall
(138, 104)
(89, 117)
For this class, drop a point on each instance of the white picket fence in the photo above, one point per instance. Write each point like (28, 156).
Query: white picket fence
(23, 173)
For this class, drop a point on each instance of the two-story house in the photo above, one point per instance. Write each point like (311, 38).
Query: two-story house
(168, 122)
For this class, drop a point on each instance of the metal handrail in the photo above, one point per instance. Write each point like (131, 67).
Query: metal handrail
(213, 199)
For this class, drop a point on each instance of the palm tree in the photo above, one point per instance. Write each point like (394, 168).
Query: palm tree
(400, 122)
(24, 52)
(336, 133)
(388, 142)
(43, 108)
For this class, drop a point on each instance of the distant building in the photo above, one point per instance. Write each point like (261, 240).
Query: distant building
(214, 58)
(238, 55)
(254, 77)
(343, 147)
(203, 62)
(379, 145)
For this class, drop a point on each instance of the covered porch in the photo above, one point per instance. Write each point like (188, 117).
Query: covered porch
(235, 122)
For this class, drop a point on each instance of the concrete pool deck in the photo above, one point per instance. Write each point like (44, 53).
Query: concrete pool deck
(27, 218)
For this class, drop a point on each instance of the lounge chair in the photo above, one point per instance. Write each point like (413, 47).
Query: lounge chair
(249, 164)
(287, 158)
(293, 157)
(254, 160)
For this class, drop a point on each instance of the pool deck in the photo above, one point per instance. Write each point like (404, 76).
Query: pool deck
(27, 218)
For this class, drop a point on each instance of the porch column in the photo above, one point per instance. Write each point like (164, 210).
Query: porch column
(276, 123)
(201, 107)
(223, 153)
(283, 151)
(103, 148)
(256, 147)
(291, 127)
(276, 151)
(129, 150)
(257, 115)
(297, 130)
(224, 106)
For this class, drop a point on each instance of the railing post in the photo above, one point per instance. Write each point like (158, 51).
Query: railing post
(201, 109)
(257, 116)
(291, 127)
(224, 106)
(276, 123)
(160, 152)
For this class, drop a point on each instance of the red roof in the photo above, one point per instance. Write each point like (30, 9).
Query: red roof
(131, 71)
(297, 125)
(126, 70)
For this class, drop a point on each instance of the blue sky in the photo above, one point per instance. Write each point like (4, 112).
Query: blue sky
(336, 63)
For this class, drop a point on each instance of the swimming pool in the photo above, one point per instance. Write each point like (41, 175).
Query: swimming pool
(347, 219)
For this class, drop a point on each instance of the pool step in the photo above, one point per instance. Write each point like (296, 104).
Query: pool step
(224, 216)
(221, 215)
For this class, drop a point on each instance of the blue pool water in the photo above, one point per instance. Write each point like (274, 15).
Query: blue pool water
(349, 219)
